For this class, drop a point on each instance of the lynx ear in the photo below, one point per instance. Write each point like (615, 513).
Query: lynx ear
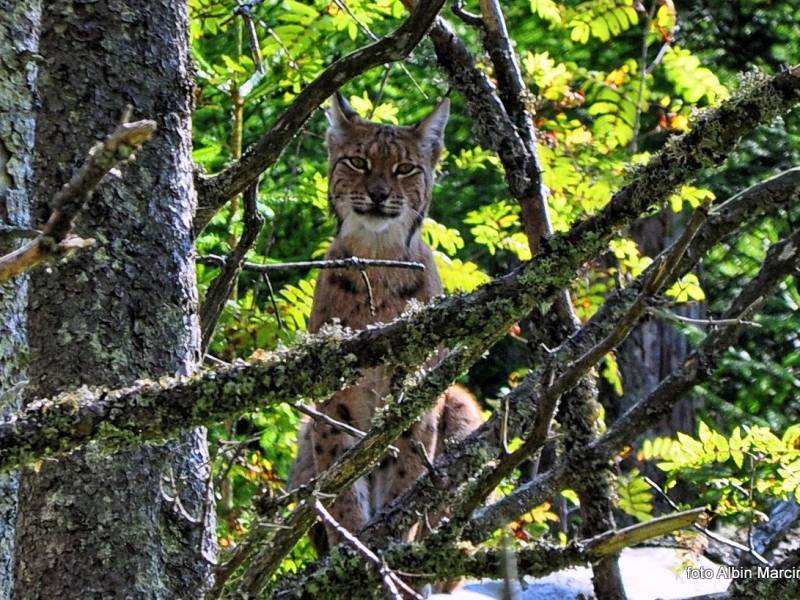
(431, 129)
(340, 114)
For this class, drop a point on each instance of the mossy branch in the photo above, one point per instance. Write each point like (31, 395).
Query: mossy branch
(527, 400)
(579, 463)
(433, 559)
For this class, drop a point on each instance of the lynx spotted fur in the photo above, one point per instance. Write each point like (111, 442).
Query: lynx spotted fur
(380, 182)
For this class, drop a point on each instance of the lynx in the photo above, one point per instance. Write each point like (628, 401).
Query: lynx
(380, 181)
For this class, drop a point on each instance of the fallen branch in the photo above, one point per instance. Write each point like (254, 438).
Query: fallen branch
(55, 239)
(213, 192)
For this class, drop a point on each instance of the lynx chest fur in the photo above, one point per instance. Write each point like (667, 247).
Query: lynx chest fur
(380, 183)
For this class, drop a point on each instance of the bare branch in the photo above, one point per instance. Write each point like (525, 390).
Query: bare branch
(220, 290)
(214, 191)
(54, 240)
(339, 263)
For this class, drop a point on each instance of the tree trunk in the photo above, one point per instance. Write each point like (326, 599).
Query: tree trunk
(90, 525)
(656, 348)
(19, 38)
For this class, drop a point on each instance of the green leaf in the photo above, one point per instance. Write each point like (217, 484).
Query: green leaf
(635, 496)
(686, 289)
(548, 10)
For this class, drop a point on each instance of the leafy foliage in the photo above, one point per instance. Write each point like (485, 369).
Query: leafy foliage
(736, 474)
(599, 108)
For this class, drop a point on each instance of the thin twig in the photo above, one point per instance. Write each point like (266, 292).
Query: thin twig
(671, 316)
(320, 416)
(220, 290)
(272, 299)
(643, 79)
(390, 580)
(56, 240)
(342, 4)
(339, 263)
(370, 297)
(704, 530)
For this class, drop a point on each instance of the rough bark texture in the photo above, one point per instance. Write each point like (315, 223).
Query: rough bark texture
(92, 526)
(19, 32)
(656, 348)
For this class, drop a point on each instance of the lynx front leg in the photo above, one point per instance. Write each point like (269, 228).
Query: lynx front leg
(397, 474)
(352, 508)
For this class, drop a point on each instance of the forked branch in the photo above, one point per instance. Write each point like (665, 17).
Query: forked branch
(55, 239)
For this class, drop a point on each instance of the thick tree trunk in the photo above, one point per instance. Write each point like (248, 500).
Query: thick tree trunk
(19, 39)
(94, 526)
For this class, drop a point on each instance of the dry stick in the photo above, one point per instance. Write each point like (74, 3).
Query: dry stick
(324, 363)
(220, 290)
(55, 240)
(353, 262)
(462, 460)
(214, 191)
(782, 259)
(390, 580)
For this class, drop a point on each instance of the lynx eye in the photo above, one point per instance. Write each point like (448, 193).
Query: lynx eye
(357, 163)
(405, 169)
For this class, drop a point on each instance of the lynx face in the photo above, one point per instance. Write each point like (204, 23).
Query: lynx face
(381, 176)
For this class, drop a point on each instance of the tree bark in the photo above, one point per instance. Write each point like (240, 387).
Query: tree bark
(656, 348)
(93, 526)
(19, 39)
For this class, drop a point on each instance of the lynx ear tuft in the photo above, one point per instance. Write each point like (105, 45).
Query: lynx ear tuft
(431, 129)
(340, 114)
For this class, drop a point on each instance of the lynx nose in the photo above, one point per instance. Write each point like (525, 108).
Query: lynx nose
(378, 195)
